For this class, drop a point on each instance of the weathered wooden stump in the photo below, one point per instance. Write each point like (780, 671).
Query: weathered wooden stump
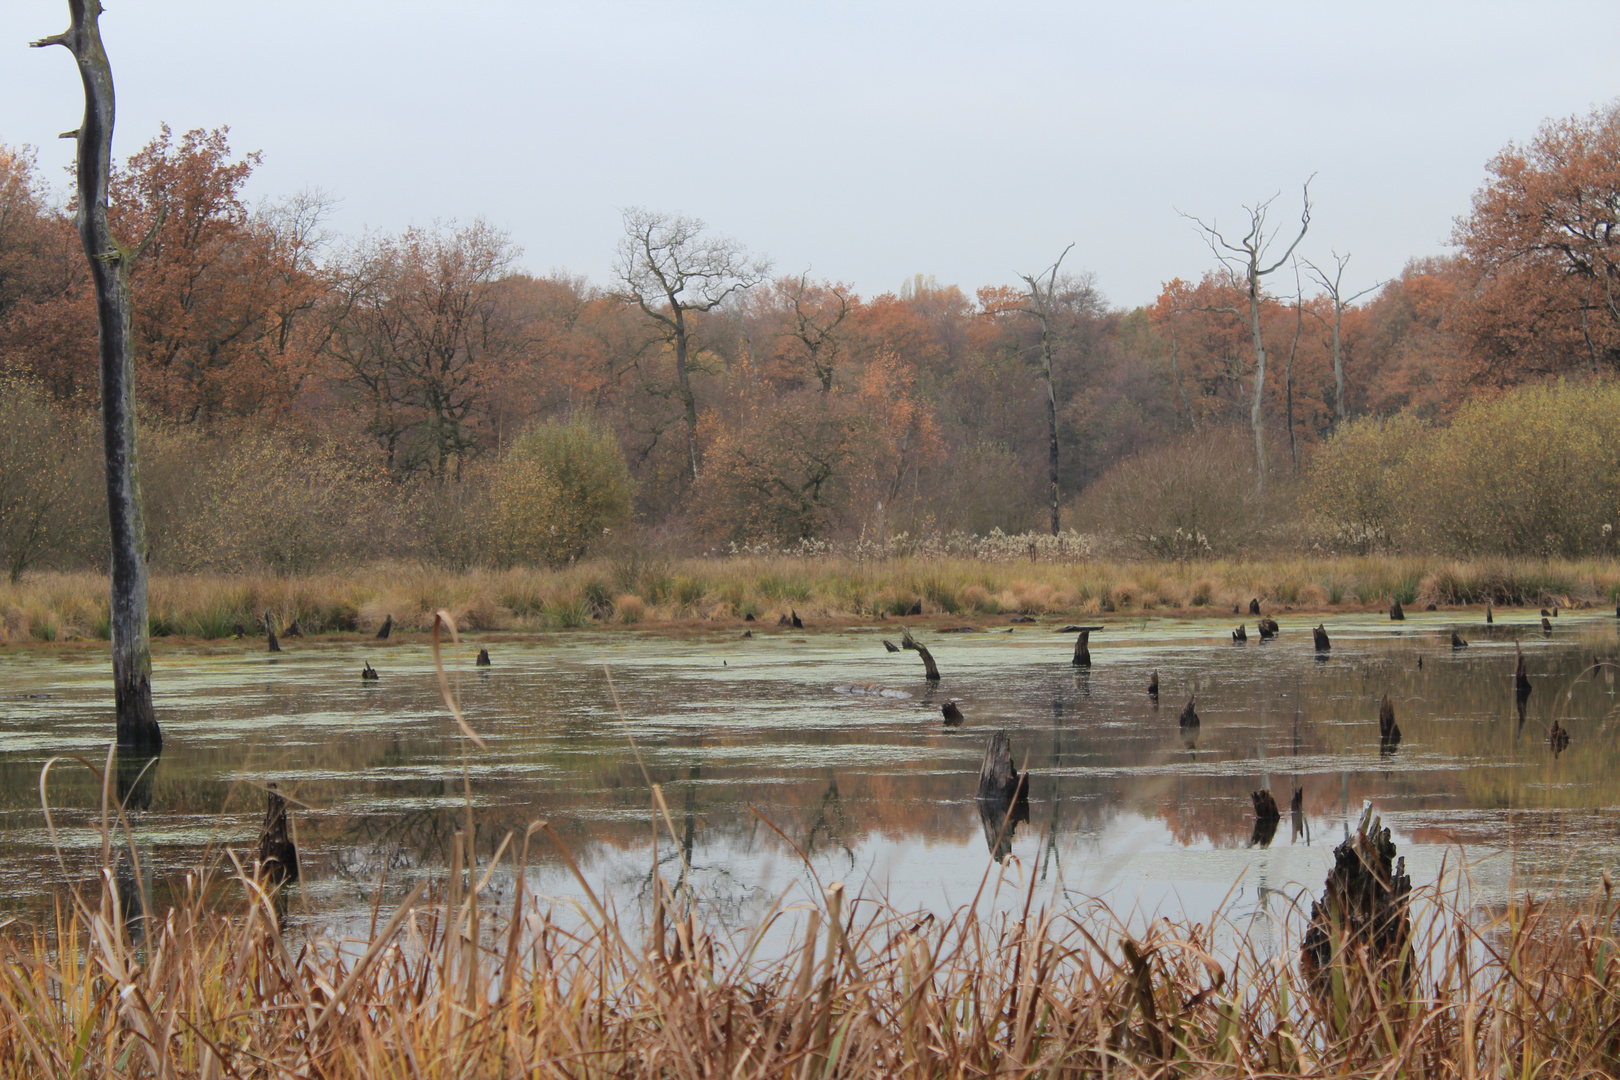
(1296, 805)
(1558, 738)
(1267, 627)
(1082, 649)
(1254, 606)
(270, 634)
(483, 658)
(368, 673)
(930, 669)
(1361, 925)
(1241, 634)
(952, 714)
(796, 622)
(278, 859)
(1320, 637)
(1153, 686)
(890, 646)
(1521, 681)
(386, 628)
(1189, 715)
(1265, 806)
(1545, 614)
(749, 617)
(1546, 625)
(1003, 796)
(1395, 612)
(1389, 732)
(1457, 641)
(1489, 618)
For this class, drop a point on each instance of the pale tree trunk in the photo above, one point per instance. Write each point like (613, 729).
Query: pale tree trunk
(1051, 430)
(1256, 416)
(109, 270)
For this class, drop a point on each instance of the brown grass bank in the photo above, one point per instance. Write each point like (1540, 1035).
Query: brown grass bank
(52, 606)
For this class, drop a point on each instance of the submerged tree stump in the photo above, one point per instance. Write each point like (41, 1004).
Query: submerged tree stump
(796, 622)
(270, 633)
(1082, 649)
(386, 629)
(1296, 805)
(1267, 627)
(1521, 681)
(368, 673)
(1153, 686)
(1189, 715)
(1320, 637)
(1489, 618)
(1457, 641)
(1266, 817)
(952, 714)
(930, 669)
(1546, 625)
(1361, 924)
(483, 658)
(1389, 732)
(278, 859)
(1003, 796)
(890, 646)
(1395, 612)
(1254, 606)
(1241, 634)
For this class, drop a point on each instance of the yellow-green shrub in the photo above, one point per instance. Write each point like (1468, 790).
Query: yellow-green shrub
(558, 487)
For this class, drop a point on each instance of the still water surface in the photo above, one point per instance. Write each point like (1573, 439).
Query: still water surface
(755, 746)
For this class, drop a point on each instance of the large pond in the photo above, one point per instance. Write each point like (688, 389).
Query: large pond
(775, 777)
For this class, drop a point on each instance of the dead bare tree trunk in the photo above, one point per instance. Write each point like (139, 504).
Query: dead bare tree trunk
(1039, 304)
(1333, 287)
(1247, 269)
(1288, 374)
(109, 270)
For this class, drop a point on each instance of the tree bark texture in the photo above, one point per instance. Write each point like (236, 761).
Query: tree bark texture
(109, 270)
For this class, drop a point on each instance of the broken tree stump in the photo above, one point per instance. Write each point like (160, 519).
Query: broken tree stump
(1266, 818)
(1320, 638)
(1546, 625)
(1457, 641)
(278, 859)
(1153, 686)
(1003, 796)
(1254, 606)
(1558, 738)
(1389, 732)
(930, 669)
(1521, 681)
(483, 658)
(890, 646)
(952, 714)
(1189, 715)
(1489, 618)
(270, 634)
(1267, 627)
(1361, 925)
(1241, 634)
(368, 673)
(796, 622)
(1082, 649)
(387, 627)
(1395, 612)
(1296, 805)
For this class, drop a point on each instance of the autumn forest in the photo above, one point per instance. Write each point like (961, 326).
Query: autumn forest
(309, 398)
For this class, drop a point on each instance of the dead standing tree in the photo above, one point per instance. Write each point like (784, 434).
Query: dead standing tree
(1334, 288)
(1040, 298)
(670, 270)
(1246, 265)
(110, 262)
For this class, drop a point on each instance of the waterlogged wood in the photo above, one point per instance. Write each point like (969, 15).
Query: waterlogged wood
(278, 858)
(1241, 634)
(1361, 924)
(368, 673)
(1189, 715)
(1320, 638)
(1558, 738)
(951, 713)
(483, 658)
(1082, 649)
(1153, 685)
(999, 778)
(1521, 680)
(890, 646)
(930, 669)
(1396, 613)
(110, 264)
(1254, 606)
(386, 628)
(1389, 732)
(1265, 806)
(1457, 641)
(1268, 628)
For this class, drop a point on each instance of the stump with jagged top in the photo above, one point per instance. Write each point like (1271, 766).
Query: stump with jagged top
(930, 669)
(1362, 924)
(278, 859)
(1082, 649)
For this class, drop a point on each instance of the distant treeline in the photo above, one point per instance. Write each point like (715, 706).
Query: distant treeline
(306, 393)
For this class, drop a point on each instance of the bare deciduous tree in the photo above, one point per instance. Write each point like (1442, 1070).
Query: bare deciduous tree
(667, 267)
(1334, 287)
(1040, 299)
(1246, 263)
(818, 311)
(109, 270)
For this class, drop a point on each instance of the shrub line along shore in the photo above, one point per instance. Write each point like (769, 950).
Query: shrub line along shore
(637, 590)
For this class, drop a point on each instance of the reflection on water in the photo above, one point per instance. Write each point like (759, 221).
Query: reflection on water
(765, 768)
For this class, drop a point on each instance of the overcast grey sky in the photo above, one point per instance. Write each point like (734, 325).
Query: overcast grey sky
(864, 142)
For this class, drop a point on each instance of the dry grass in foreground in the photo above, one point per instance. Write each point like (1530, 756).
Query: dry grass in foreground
(452, 985)
(629, 590)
